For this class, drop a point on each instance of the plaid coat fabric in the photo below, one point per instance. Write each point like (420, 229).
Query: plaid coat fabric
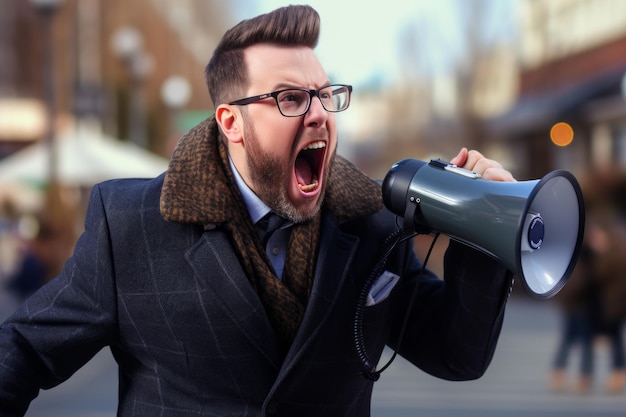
(191, 337)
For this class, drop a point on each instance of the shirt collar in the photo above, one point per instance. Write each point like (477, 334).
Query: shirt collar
(256, 207)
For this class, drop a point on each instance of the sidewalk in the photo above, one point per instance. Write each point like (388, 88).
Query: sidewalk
(514, 385)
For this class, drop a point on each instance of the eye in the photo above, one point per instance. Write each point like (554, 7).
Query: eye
(288, 97)
(326, 95)
(291, 96)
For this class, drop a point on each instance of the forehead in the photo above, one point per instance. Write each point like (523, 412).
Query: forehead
(270, 66)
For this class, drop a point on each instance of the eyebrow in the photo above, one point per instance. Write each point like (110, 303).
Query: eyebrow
(284, 86)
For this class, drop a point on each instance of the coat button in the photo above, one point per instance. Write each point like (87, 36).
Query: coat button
(272, 407)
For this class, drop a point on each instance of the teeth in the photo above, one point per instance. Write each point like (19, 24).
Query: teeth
(309, 187)
(316, 145)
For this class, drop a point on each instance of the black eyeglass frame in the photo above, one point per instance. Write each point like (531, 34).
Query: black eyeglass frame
(312, 93)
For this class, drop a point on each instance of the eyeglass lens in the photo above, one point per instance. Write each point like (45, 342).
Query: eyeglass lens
(296, 102)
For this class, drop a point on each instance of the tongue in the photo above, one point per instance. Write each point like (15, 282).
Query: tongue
(304, 174)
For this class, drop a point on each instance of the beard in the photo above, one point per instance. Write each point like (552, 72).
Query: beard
(271, 179)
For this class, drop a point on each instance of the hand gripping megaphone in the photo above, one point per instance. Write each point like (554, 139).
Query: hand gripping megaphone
(535, 228)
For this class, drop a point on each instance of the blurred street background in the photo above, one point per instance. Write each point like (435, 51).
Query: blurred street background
(98, 89)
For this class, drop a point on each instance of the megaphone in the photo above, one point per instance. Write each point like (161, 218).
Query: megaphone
(535, 228)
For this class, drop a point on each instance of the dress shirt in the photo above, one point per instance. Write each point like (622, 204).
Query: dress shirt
(276, 246)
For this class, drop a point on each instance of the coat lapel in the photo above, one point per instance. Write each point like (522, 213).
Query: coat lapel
(216, 264)
(337, 250)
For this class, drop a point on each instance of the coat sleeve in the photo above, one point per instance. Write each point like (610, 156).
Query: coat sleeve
(454, 323)
(64, 324)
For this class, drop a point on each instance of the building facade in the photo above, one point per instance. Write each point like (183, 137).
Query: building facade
(109, 61)
(572, 69)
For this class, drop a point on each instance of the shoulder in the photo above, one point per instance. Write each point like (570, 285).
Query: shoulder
(130, 208)
(129, 192)
(126, 198)
(131, 188)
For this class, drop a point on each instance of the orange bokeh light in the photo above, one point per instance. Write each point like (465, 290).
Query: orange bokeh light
(562, 134)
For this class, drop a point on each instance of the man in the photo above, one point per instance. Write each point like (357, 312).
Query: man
(203, 317)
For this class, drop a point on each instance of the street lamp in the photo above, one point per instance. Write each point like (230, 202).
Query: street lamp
(57, 216)
(46, 10)
(175, 93)
(46, 6)
(127, 44)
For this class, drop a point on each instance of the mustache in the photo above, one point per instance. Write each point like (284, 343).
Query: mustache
(318, 134)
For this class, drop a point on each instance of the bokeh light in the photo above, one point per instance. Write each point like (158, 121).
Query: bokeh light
(562, 134)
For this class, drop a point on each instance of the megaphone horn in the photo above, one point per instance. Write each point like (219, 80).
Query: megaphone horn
(535, 228)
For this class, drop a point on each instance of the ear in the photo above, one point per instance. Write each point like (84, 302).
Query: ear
(230, 121)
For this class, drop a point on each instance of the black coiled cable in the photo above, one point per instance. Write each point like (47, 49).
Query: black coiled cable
(369, 369)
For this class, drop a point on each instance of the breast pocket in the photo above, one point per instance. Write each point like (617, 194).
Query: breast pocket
(378, 299)
(381, 289)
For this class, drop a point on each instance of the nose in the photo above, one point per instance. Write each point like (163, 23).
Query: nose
(316, 115)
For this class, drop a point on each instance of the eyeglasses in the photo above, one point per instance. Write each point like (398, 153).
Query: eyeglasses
(293, 102)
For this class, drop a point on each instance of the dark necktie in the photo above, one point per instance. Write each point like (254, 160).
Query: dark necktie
(268, 225)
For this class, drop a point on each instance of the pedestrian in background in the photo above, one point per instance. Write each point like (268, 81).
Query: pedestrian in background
(593, 302)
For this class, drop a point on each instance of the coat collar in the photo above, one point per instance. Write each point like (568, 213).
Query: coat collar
(196, 187)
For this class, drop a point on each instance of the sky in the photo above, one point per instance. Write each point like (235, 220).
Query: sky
(360, 40)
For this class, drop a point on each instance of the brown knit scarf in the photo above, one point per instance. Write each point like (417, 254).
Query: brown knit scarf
(200, 188)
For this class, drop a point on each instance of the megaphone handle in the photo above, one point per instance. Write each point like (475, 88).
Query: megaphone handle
(408, 225)
(411, 224)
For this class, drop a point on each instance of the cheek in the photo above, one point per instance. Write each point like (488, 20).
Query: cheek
(334, 140)
(275, 136)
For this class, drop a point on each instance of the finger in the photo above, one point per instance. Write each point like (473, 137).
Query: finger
(473, 160)
(487, 168)
(494, 173)
(460, 158)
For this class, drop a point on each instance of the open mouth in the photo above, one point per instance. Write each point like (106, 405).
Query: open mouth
(308, 166)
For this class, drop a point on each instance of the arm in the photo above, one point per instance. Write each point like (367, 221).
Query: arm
(454, 323)
(64, 324)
